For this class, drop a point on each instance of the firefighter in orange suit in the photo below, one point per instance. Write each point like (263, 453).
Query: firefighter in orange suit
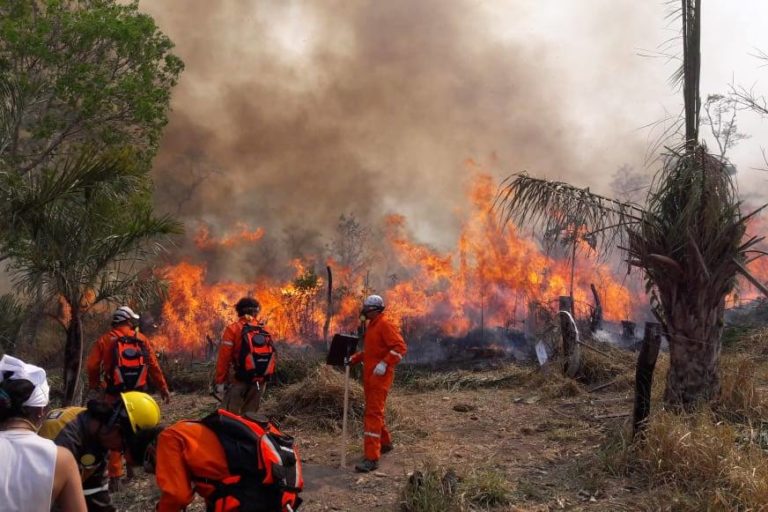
(187, 453)
(190, 458)
(249, 379)
(109, 374)
(383, 348)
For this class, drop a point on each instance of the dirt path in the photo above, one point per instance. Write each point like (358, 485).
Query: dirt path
(532, 441)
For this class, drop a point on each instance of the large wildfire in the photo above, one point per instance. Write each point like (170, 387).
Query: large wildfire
(488, 280)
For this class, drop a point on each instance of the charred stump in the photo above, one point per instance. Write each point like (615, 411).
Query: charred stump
(596, 318)
(570, 336)
(646, 363)
(628, 337)
(328, 308)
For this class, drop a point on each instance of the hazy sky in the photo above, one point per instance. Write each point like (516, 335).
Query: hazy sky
(308, 109)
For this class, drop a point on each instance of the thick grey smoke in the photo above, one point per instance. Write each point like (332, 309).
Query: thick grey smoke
(291, 113)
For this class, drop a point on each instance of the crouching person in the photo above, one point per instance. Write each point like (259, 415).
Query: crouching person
(34, 472)
(238, 464)
(90, 433)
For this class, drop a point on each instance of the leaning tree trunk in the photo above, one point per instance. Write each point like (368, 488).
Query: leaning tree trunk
(73, 357)
(694, 351)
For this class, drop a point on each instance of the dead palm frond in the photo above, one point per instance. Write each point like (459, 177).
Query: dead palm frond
(553, 206)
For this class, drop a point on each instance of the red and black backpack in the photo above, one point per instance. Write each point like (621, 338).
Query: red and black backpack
(257, 358)
(263, 462)
(130, 365)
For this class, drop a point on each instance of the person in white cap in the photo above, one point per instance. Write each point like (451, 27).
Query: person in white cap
(34, 473)
(121, 360)
(383, 348)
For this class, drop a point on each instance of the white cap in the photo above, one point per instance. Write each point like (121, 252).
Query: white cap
(122, 314)
(19, 370)
(373, 301)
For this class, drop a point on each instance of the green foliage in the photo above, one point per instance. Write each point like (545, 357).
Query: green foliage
(89, 244)
(92, 72)
(12, 315)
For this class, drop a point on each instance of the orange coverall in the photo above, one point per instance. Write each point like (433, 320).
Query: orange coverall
(187, 451)
(100, 364)
(382, 342)
(229, 349)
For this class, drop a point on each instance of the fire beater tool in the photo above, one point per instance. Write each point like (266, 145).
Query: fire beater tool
(342, 348)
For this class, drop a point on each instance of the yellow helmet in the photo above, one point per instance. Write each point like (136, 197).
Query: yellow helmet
(143, 412)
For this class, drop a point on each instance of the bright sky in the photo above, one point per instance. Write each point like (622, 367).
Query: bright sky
(733, 32)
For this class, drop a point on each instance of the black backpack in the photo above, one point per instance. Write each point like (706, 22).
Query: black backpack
(263, 462)
(131, 365)
(257, 358)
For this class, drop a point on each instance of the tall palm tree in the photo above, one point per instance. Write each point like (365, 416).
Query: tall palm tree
(688, 239)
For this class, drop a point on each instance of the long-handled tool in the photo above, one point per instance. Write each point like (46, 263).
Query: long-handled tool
(344, 418)
(341, 350)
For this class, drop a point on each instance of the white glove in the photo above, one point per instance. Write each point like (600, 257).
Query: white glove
(220, 389)
(380, 369)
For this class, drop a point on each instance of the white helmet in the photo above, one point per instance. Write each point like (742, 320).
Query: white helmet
(122, 314)
(373, 302)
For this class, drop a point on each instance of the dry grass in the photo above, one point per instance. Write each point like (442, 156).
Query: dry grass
(754, 343)
(430, 490)
(318, 401)
(610, 364)
(705, 459)
(433, 489)
(508, 376)
(740, 398)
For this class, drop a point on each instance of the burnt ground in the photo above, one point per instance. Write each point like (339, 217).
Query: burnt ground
(546, 449)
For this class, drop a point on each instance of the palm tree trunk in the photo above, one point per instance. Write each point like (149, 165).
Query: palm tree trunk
(73, 357)
(694, 351)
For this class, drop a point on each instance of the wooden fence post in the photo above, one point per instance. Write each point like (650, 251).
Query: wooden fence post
(646, 363)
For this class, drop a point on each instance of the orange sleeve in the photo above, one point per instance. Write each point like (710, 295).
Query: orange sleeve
(394, 342)
(155, 372)
(226, 354)
(93, 364)
(171, 473)
(356, 358)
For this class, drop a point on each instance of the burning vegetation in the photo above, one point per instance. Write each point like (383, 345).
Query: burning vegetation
(489, 280)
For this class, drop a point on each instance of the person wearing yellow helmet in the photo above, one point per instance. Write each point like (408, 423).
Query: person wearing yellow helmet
(91, 432)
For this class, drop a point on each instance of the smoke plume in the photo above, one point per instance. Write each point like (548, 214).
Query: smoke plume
(291, 113)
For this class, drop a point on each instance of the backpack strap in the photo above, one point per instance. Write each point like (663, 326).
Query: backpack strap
(239, 441)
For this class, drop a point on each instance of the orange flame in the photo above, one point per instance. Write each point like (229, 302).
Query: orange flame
(489, 279)
(204, 241)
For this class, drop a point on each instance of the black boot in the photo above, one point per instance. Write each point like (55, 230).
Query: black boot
(366, 466)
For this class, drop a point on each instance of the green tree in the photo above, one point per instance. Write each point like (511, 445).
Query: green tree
(89, 246)
(688, 238)
(91, 72)
(84, 95)
(12, 314)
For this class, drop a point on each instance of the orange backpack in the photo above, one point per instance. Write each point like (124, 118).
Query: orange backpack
(257, 358)
(263, 463)
(131, 360)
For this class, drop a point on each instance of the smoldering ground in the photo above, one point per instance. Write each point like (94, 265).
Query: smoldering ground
(290, 113)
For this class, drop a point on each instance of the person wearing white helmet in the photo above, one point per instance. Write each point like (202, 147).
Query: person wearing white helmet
(34, 473)
(383, 348)
(121, 360)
